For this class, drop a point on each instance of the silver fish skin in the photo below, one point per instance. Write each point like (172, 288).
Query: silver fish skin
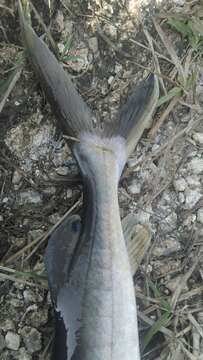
(109, 320)
(87, 265)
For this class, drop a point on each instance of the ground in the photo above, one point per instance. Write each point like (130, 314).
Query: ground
(107, 47)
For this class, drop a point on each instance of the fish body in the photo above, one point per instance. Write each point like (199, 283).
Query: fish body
(87, 262)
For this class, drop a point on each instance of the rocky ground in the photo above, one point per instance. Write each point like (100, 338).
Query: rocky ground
(107, 47)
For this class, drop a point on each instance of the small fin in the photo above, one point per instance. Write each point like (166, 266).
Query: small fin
(59, 253)
(71, 111)
(137, 238)
(136, 115)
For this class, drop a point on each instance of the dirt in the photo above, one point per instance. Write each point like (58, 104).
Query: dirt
(161, 184)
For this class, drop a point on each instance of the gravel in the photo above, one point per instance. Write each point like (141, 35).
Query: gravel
(12, 340)
(31, 338)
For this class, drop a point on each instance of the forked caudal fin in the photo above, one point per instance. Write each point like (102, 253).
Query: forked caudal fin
(72, 113)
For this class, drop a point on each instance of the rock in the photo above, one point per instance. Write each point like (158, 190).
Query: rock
(54, 218)
(134, 187)
(191, 198)
(110, 30)
(193, 181)
(196, 165)
(93, 44)
(7, 324)
(198, 137)
(34, 234)
(69, 193)
(37, 318)
(179, 184)
(169, 223)
(32, 339)
(23, 355)
(1, 218)
(51, 190)
(30, 142)
(12, 340)
(174, 283)
(62, 170)
(200, 215)
(31, 296)
(29, 197)
(181, 198)
(189, 221)
(16, 303)
(16, 180)
(2, 342)
(179, 2)
(166, 247)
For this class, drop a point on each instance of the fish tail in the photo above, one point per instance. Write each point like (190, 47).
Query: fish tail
(72, 113)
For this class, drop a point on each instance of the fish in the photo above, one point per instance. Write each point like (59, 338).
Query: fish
(87, 260)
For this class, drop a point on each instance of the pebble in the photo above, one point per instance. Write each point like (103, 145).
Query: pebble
(181, 198)
(169, 223)
(37, 318)
(193, 181)
(200, 215)
(62, 170)
(198, 137)
(93, 44)
(17, 177)
(69, 193)
(7, 324)
(31, 296)
(23, 355)
(134, 187)
(191, 198)
(32, 339)
(196, 165)
(34, 234)
(12, 340)
(179, 184)
(110, 30)
(2, 342)
(174, 283)
(166, 248)
(29, 197)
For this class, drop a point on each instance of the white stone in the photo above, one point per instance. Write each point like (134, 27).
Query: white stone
(166, 247)
(93, 44)
(193, 181)
(62, 170)
(179, 184)
(198, 137)
(196, 165)
(29, 197)
(12, 340)
(200, 215)
(191, 198)
(17, 177)
(181, 198)
(134, 187)
(69, 193)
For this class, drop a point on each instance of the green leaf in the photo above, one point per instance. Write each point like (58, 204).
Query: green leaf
(180, 26)
(162, 321)
(67, 46)
(176, 91)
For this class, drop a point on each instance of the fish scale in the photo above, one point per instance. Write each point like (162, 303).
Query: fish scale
(87, 262)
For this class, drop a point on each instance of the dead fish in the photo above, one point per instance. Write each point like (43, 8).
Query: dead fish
(87, 262)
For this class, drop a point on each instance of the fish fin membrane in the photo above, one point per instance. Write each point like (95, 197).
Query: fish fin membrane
(136, 114)
(60, 250)
(137, 238)
(72, 113)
